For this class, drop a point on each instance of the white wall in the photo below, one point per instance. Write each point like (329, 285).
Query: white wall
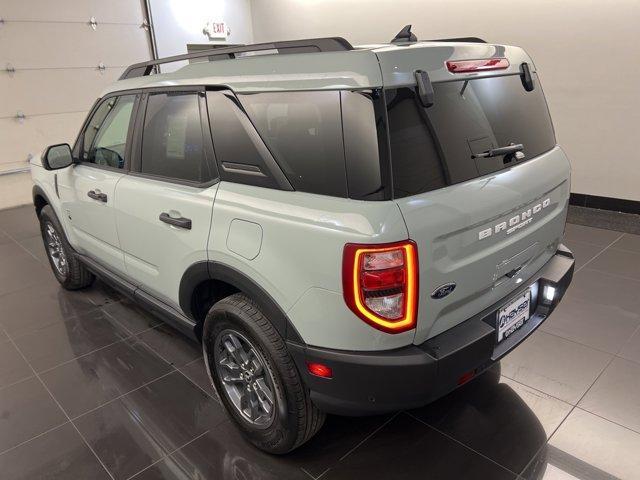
(56, 54)
(178, 22)
(587, 53)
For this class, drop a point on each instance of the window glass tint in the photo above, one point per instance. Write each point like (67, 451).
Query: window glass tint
(240, 150)
(303, 130)
(172, 142)
(105, 137)
(363, 129)
(433, 147)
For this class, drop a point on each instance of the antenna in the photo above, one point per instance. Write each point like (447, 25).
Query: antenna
(405, 36)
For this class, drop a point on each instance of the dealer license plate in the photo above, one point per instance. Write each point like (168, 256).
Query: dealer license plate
(513, 316)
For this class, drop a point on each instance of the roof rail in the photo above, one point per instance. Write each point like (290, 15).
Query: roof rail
(329, 44)
(460, 39)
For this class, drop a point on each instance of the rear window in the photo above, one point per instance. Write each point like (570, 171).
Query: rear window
(433, 147)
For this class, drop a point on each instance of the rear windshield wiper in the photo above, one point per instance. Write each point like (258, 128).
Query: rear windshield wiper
(497, 152)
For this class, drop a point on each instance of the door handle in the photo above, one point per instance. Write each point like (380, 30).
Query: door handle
(102, 197)
(176, 222)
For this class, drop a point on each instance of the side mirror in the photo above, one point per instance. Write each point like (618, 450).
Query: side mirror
(57, 156)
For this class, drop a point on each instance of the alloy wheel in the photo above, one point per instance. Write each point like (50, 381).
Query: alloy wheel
(246, 380)
(55, 250)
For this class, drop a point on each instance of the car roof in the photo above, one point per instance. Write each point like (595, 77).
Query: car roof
(361, 67)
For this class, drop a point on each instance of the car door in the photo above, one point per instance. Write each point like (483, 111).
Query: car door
(164, 207)
(102, 149)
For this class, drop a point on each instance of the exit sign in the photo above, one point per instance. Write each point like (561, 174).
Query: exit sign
(215, 29)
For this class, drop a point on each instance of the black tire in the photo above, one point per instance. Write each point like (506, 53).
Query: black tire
(75, 276)
(295, 419)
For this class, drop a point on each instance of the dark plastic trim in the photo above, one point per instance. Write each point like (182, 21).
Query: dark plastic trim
(424, 88)
(45, 160)
(405, 36)
(155, 306)
(181, 222)
(202, 271)
(38, 191)
(460, 39)
(366, 383)
(525, 76)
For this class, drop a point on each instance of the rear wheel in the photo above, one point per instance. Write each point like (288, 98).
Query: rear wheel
(256, 378)
(71, 274)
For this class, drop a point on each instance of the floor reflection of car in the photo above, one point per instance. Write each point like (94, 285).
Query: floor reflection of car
(486, 415)
(490, 417)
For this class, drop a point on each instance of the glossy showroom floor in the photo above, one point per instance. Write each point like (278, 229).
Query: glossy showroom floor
(93, 388)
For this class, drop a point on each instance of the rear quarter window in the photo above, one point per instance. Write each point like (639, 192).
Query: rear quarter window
(303, 131)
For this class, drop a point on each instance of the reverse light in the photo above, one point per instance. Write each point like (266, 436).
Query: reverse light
(380, 284)
(481, 65)
(549, 293)
(319, 370)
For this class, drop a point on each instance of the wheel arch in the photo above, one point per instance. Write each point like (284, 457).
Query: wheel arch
(40, 198)
(206, 282)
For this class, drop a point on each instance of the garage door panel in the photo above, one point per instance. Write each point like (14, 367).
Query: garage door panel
(34, 134)
(36, 92)
(112, 11)
(72, 45)
(118, 11)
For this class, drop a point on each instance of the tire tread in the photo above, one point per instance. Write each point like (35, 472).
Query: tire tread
(309, 418)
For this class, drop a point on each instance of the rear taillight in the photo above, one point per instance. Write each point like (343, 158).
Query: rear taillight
(465, 66)
(380, 284)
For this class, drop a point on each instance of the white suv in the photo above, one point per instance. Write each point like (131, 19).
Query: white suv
(346, 230)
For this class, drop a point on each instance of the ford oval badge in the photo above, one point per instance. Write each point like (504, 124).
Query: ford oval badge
(443, 290)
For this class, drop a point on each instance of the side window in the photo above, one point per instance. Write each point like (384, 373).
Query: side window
(303, 130)
(365, 145)
(415, 159)
(242, 154)
(172, 140)
(105, 138)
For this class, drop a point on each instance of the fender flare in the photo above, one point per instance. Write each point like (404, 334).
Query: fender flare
(38, 191)
(211, 270)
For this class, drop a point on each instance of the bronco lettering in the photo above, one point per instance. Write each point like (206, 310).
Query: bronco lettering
(516, 222)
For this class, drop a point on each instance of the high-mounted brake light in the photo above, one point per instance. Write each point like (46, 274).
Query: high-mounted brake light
(481, 65)
(380, 284)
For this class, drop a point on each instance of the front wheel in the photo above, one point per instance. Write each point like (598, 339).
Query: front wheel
(256, 378)
(69, 272)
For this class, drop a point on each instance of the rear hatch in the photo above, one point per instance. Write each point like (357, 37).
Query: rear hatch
(482, 220)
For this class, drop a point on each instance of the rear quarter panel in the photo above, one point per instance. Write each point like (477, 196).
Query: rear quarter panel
(299, 245)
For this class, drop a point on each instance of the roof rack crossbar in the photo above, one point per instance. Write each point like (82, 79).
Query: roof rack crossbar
(329, 44)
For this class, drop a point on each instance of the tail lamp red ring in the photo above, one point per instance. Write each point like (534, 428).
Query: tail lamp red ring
(358, 281)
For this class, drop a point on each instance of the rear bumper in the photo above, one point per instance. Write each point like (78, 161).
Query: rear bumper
(366, 383)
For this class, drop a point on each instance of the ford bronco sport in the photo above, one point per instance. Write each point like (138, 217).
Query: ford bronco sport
(348, 230)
